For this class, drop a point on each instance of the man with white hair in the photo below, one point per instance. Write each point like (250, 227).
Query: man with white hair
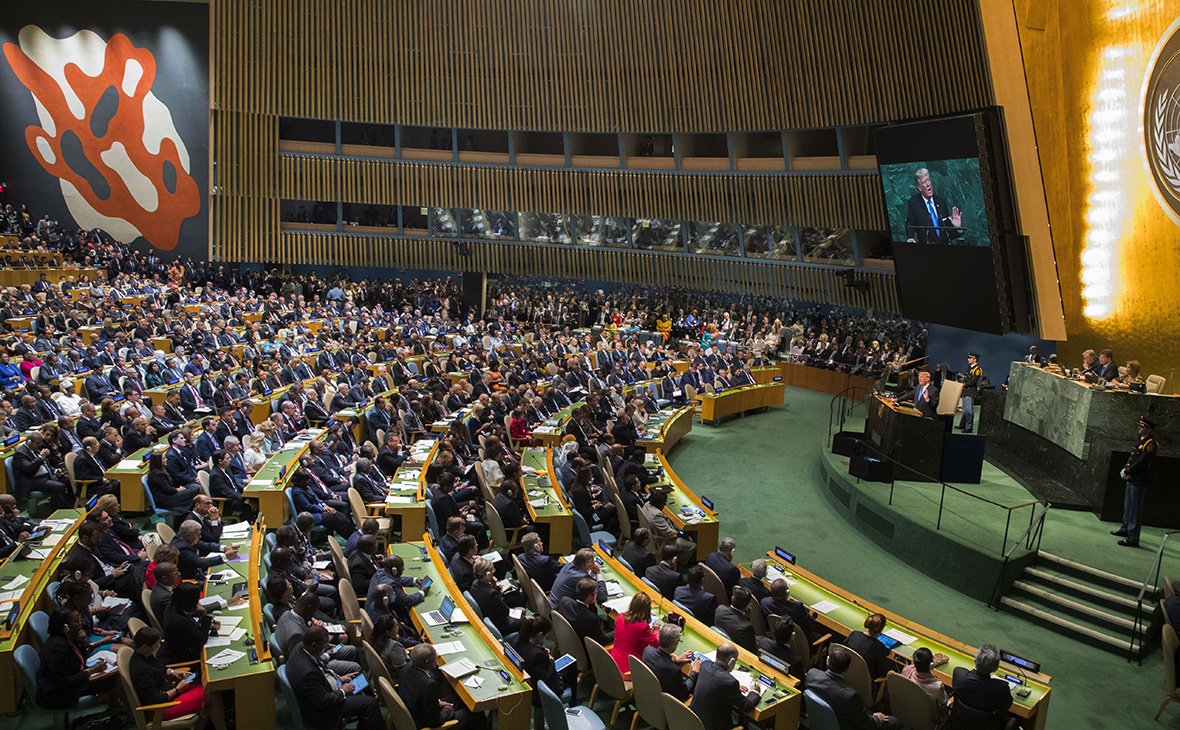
(977, 693)
(193, 562)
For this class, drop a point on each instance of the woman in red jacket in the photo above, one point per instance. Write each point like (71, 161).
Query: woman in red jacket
(633, 632)
(519, 428)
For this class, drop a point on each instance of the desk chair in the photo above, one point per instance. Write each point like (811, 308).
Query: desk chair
(810, 653)
(290, 698)
(820, 715)
(203, 480)
(557, 717)
(432, 520)
(39, 623)
(590, 539)
(141, 711)
(377, 668)
(680, 717)
(655, 546)
(500, 535)
(134, 625)
(859, 678)
(79, 486)
(28, 663)
(544, 607)
(948, 397)
(34, 499)
(165, 532)
(366, 626)
(471, 602)
(399, 715)
(624, 520)
(648, 701)
(569, 643)
(608, 677)
(1155, 383)
(909, 703)
(713, 584)
(361, 512)
(351, 608)
(158, 515)
(1171, 691)
(526, 583)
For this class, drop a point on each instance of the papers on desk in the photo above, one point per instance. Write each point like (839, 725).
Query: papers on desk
(900, 636)
(410, 474)
(214, 642)
(16, 582)
(222, 576)
(777, 572)
(9, 596)
(111, 658)
(459, 669)
(213, 603)
(228, 622)
(473, 682)
(240, 607)
(261, 482)
(528, 469)
(394, 499)
(115, 603)
(129, 464)
(618, 605)
(38, 554)
(613, 588)
(243, 527)
(744, 678)
(493, 557)
(538, 503)
(824, 606)
(224, 658)
(56, 525)
(450, 647)
(321, 564)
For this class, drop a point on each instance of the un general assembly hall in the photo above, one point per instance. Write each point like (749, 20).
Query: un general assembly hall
(560, 365)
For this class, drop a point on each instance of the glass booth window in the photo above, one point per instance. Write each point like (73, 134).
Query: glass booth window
(826, 245)
(715, 239)
(543, 228)
(651, 234)
(770, 242)
(597, 230)
(443, 223)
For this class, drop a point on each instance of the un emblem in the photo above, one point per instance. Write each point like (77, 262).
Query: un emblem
(1161, 121)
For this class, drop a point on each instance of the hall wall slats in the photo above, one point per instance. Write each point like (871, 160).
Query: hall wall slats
(819, 199)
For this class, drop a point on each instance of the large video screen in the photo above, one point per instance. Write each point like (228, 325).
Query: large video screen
(957, 251)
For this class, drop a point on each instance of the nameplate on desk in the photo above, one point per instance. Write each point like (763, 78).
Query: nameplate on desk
(784, 555)
(129, 464)
(1027, 664)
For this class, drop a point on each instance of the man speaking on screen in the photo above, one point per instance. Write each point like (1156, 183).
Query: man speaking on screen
(926, 218)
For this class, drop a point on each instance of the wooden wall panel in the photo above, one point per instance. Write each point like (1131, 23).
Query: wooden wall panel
(609, 66)
(819, 199)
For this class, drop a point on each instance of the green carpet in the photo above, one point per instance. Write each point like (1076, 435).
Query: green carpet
(762, 472)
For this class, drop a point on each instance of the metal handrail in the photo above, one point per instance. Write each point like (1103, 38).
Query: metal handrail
(1153, 579)
(842, 398)
(1027, 538)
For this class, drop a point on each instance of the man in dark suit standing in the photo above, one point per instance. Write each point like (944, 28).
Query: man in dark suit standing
(325, 699)
(928, 220)
(924, 396)
(831, 687)
(978, 691)
(664, 574)
(718, 693)
(419, 691)
(666, 665)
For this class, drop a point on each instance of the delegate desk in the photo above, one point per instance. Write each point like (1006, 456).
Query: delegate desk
(407, 489)
(846, 614)
(129, 474)
(546, 502)
(900, 433)
(550, 433)
(251, 677)
(779, 705)
(511, 700)
(686, 510)
(731, 401)
(16, 277)
(665, 428)
(268, 483)
(37, 571)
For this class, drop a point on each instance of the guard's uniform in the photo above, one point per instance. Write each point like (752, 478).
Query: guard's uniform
(1135, 472)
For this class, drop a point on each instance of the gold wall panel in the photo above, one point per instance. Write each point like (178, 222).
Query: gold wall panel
(609, 66)
(1086, 71)
(836, 200)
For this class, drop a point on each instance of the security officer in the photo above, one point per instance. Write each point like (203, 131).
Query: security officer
(970, 392)
(1135, 472)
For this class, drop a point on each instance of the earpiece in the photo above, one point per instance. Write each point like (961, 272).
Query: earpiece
(77, 575)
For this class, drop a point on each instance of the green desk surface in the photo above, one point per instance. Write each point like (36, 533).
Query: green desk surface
(27, 568)
(475, 648)
(556, 422)
(224, 589)
(679, 498)
(701, 641)
(851, 617)
(653, 430)
(271, 477)
(729, 391)
(537, 458)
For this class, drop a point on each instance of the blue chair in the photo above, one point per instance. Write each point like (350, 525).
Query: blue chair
(268, 612)
(492, 627)
(557, 717)
(654, 587)
(271, 540)
(432, 521)
(39, 622)
(590, 539)
(820, 715)
(51, 590)
(266, 561)
(721, 631)
(625, 564)
(28, 662)
(158, 515)
(471, 602)
(685, 609)
(291, 699)
(317, 530)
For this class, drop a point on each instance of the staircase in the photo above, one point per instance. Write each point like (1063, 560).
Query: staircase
(1080, 601)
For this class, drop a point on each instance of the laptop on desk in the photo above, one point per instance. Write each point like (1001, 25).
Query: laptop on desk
(447, 613)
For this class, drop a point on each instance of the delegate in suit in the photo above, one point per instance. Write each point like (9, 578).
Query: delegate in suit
(924, 396)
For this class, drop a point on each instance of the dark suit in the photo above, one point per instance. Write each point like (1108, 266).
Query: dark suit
(981, 695)
(716, 695)
(702, 603)
(191, 565)
(725, 570)
(929, 409)
(665, 579)
(639, 558)
(842, 698)
(672, 679)
(920, 226)
(875, 654)
(492, 606)
(419, 691)
(322, 705)
(585, 620)
(735, 624)
(541, 568)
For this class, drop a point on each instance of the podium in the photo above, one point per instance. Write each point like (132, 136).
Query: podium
(912, 442)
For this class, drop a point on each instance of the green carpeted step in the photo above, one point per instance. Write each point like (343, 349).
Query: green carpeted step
(1048, 614)
(1061, 584)
(1072, 606)
(1095, 575)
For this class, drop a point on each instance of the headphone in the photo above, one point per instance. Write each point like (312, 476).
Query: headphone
(77, 575)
